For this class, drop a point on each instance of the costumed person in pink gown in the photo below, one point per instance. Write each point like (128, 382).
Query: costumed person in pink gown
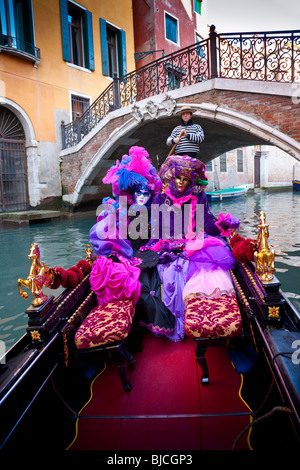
(194, 259)
(135, 181)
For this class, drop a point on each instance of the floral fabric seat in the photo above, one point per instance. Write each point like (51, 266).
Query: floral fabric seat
(211, 321)
(105, 324)
(213, 317)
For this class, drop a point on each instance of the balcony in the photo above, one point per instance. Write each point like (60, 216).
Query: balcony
(18, 47)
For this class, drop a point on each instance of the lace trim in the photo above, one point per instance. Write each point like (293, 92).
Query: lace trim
(157, 329)
(214, 295)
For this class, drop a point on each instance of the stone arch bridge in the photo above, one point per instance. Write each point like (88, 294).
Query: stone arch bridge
(234, 107)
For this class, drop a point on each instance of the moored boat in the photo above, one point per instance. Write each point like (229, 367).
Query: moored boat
(224, 194)
(296, 185)
(184, 395)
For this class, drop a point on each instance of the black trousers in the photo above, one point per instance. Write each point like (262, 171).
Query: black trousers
(190, 154)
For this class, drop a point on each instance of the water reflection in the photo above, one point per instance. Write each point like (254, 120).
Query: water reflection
(62, 244)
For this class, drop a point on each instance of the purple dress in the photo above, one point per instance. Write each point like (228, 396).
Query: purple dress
(176, 267)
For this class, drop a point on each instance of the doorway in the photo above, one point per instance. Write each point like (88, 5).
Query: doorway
(13, 163)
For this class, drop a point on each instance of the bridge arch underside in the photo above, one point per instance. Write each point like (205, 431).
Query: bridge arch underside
(220, 137)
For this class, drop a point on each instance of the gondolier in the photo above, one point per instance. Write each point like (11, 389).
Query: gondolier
(186, 137)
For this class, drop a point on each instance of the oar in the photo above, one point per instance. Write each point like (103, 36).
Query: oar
(174, 146)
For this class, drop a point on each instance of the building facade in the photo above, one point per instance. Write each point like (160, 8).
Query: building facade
(56, 57)
(163, 26)
(258, 167)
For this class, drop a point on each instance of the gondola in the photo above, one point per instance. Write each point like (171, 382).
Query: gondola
(145, 392)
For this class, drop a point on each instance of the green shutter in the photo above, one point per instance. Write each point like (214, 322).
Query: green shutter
(122, 53)
(104, 51)
(3, 27)
(197, 6)
(65, 30)
(88, 41)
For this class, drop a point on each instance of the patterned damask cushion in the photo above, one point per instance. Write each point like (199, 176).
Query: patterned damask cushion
(213, 317)
(105, 324)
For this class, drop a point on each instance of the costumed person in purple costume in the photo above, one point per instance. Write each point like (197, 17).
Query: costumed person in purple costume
(191, 257)
(136, 180)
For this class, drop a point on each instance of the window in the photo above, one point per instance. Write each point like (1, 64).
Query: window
(174, 80)
(79, 105)
(240, 160)
(77, 35)
(197, 6)
(171, 28)
(223, 162)
(16, 26)
(209, 166)
(175, 75)
(113, 50)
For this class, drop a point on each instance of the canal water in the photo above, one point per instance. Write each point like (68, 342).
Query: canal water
(62, 244)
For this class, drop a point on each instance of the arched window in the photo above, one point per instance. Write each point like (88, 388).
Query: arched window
(13, 164)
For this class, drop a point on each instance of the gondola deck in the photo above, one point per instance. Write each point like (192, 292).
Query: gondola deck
(168, 407)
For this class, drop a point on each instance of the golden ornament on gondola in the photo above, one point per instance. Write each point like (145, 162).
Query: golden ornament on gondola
(264, 257)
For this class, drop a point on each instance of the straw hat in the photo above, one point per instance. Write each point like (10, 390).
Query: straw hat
(185, 109)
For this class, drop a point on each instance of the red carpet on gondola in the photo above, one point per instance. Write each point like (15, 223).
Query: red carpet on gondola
(168, 407)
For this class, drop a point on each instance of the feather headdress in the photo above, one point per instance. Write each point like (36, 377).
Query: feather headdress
(174, 165)
(135, 171)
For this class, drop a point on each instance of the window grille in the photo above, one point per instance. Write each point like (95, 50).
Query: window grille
(79, 106)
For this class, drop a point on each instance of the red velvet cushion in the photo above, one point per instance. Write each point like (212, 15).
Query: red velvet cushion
(105, 324)
(214, 317)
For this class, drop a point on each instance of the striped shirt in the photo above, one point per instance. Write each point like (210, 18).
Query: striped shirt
(190, 143)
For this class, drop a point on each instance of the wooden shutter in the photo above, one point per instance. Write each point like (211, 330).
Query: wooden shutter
(104, 52)
(88, 41)
(65, 30)
(122, 53)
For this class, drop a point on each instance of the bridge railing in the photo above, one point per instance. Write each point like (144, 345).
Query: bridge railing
(185, 67)
(268, 56)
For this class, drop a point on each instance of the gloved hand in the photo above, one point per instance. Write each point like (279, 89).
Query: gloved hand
(226, 223)
(144, 248)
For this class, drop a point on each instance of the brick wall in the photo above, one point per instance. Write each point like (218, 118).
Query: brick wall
(74, 164)
(276, 111)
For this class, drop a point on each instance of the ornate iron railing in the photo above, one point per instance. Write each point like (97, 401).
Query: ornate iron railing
(189, 65)
(269, 56)
(73, 132)
(185, 67)
(17, 44)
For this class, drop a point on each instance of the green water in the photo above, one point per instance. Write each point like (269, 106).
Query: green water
(62, 244)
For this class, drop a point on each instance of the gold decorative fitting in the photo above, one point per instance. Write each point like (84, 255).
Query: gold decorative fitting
(264, 257)
(89, 252)
(35, 335)
(39, 275)
(273, 312)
